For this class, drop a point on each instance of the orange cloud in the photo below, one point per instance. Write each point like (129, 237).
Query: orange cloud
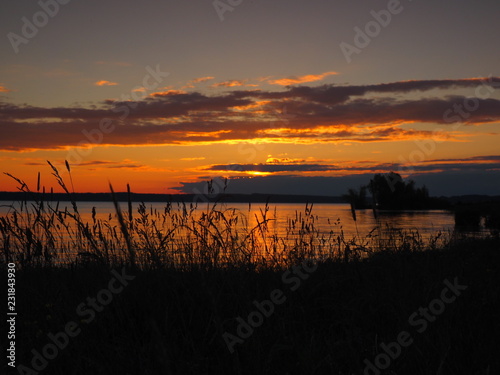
(230, 83)
(256, 104)
(105, 83)
(4, 89)
(191, 83)
(234, 83)
(193, 159)
(168, 92)
(303, 79)
(201, 79)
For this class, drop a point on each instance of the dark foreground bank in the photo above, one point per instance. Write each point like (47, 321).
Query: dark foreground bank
(432, 312)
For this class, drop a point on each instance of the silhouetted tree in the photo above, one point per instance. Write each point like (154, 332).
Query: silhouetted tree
(391, 192)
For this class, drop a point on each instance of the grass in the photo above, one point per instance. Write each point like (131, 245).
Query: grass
(196, 273)
(171, 321)
(37, 232)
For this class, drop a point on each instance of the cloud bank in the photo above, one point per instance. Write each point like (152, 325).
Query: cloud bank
(323, 114)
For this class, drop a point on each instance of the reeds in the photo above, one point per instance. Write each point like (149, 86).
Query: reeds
(37, 232)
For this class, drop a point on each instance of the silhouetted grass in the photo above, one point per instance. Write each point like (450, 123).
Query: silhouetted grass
(196, 273)
(171, 321)
(37, 232)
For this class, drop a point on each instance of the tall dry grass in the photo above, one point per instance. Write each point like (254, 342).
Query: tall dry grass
(36, 231)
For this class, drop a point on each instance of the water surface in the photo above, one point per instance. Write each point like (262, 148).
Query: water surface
(327, 217)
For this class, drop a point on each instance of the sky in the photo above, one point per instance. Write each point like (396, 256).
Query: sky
(281, 97)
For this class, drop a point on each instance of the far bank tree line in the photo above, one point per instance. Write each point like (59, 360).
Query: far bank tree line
(391, 192)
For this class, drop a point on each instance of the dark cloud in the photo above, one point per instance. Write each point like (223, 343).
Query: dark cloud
(475, 163)
(177, 118)
(270, 167)
(96, 163)
(461, 182)
(111, 164)
(446, 183)
(458, 166)
(472, 175)
(472, 158)
(333, 94)
(128, 166)
(274, 168)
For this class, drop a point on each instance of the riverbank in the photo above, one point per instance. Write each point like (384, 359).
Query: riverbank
(434, 311)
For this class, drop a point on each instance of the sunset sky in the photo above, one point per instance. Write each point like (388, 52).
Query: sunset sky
(283, 96)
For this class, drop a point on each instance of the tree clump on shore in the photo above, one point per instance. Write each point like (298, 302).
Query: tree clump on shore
(391, 192)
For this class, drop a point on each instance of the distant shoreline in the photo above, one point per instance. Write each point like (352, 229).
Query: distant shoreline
(200, 198)
(186, 198)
